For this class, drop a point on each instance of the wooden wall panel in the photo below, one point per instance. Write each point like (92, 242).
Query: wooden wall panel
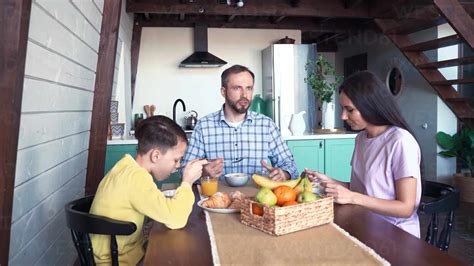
(66, 14)
(30, 193)
(41, 96)
(32, 161)
(42, 127)
(100, 5)
(46, 65)
(89, 10)
(36, 248)
(25, 230)
(48, 33)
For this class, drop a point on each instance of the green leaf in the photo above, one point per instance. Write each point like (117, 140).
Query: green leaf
(322, 89)
(444, 140)
(447, 154)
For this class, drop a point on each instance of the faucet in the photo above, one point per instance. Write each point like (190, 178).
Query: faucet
(174, 108)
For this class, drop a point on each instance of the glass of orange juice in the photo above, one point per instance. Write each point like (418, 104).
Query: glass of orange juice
(209, 185)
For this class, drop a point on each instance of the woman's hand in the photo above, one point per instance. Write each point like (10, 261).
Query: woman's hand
(193, 170)
(317, 177)
(341, 194)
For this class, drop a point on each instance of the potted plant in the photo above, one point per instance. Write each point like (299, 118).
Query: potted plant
(461, 146)
(324, 82)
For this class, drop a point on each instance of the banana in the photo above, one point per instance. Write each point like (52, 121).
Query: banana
(300, 187)
(308, 185)
(304, 185)
(263, 181)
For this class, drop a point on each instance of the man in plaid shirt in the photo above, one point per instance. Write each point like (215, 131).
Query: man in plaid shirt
(236, 134)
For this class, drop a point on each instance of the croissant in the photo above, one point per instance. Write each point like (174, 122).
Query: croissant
(217, 201)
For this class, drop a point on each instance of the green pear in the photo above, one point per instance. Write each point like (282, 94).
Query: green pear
(266, 196)
(307, 196)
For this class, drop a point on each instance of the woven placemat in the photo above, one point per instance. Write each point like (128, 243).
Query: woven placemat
(235, 243)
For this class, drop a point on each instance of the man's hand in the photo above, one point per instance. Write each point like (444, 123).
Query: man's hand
(276, 174)
(214, 168)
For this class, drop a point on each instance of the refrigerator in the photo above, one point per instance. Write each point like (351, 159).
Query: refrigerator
(283, 84)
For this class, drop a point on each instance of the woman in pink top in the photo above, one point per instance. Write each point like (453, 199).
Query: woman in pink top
(386, 162)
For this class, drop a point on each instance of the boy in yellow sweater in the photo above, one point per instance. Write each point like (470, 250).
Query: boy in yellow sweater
(128, 192)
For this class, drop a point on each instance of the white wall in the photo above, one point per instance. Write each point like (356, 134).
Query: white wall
(55, 121)
(160, 81)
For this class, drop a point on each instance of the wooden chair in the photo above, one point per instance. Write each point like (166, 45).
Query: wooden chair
(82, 224)
(439, 198)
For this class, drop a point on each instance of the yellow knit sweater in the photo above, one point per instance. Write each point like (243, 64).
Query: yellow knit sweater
(128, 193)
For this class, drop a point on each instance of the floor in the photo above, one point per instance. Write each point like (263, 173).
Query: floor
(462, 237)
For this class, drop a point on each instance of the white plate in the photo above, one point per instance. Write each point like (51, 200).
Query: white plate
(169, 193)
(216, 210)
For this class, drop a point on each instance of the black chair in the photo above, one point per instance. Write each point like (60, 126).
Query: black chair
(82, 224)
(439, 198)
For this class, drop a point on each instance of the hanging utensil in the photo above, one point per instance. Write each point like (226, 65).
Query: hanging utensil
(146, 108)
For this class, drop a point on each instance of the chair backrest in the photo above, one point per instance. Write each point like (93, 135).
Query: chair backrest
(442, 199)
(82, 223)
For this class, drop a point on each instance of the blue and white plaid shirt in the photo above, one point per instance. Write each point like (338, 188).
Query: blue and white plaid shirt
(256, 138)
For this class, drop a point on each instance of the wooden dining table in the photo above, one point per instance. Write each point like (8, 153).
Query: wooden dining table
(191, 245)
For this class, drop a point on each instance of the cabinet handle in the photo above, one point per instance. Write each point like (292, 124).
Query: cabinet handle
(320, 144)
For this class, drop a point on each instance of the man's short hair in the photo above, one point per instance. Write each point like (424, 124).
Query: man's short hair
(235, 69)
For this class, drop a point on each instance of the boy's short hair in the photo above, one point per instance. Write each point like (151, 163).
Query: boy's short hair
(158, 132)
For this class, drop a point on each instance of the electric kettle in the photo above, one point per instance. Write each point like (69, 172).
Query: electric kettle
(191, 120)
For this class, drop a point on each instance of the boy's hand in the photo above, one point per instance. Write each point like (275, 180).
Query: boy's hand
(193, 170)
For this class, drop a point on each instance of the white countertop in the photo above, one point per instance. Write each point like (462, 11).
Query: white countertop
(308, 136)
(122, 141)
(131, 139)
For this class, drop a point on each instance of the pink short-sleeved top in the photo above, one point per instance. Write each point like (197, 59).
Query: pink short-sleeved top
(378, 162)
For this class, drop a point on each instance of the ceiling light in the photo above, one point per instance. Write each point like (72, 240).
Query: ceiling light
(240, 3)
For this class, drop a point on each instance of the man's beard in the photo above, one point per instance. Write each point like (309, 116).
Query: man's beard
(236, 108)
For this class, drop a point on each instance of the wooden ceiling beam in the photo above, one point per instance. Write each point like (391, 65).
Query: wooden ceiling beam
(304, 8)
(305, 24)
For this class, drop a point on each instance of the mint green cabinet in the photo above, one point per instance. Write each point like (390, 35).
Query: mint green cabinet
(308, 154)
(329, 156)
(116, 152)
(338, 156)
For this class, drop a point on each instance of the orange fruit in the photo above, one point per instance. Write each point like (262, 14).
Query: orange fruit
(289, 203)
(257, 209)
(284, 194)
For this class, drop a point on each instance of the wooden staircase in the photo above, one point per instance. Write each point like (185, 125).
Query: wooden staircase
(438, 13)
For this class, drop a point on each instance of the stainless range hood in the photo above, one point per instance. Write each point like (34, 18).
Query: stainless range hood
(201, 57)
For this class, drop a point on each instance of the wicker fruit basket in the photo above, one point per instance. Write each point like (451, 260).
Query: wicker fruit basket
(283, 220)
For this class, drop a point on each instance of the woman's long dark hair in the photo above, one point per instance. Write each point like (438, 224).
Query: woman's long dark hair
(375, 102)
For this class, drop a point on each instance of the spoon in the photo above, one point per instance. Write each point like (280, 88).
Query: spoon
(225, 161)
(234, 161)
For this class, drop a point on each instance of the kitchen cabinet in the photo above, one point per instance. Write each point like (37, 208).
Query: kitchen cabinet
(330, 156)
(117, 151)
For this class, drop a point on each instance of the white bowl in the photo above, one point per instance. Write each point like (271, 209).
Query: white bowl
(236, 179)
